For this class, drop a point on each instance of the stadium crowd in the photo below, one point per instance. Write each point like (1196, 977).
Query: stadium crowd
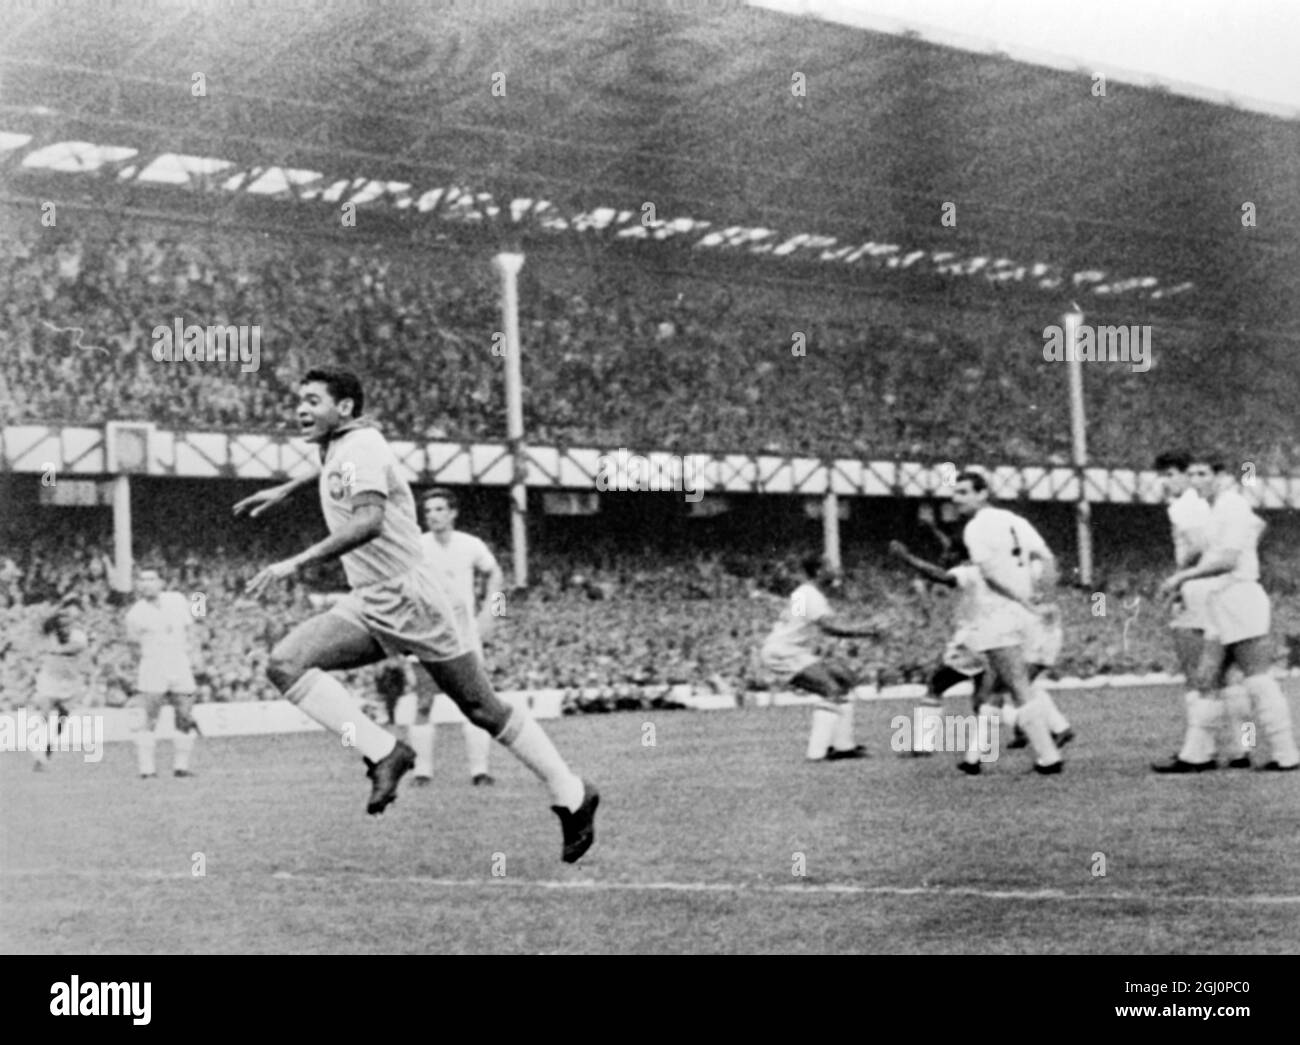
(594, 617)
(613, 356)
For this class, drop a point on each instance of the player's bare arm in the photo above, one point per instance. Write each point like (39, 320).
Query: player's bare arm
(366, 523)
(1212, 564)
(264, 500)
(928, 569)
(856, 630)
(494, 585)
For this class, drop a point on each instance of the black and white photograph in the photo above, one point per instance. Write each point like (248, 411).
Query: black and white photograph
(653, 478)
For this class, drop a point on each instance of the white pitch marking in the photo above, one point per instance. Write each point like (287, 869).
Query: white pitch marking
(579, 884)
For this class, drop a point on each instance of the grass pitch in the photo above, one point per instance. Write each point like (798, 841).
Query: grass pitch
(699, 839)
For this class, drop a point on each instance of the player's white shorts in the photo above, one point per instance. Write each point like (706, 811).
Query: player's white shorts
(50, 688)
(786, 666)
(958, 655)
(1237, 612)
(1192, 611)
(1004, 623)
(1044, 637)
(161, 678)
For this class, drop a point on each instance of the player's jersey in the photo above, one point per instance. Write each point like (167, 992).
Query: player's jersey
(160, 630)
(1233, 525)
(792, 643)
(360, 461)
(1189, 518)
(1000, 542)
(456, 563)
(66, 664)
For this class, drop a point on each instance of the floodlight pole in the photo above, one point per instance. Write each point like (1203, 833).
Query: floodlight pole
(508, 265)
(1079, 433)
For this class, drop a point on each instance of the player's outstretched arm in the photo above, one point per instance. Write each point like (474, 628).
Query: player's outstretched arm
(366, 523)
(935, 573)
(856, 630)
(257, 503)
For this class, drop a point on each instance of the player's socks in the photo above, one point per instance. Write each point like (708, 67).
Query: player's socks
(1033, 721)
(821, 733)
(1236, 708)
(1202, 720)
(420, 737)
(184, 746)
(842, 734)
(478, 742)
(982, 741)
(1056, 722)
(324, 698)
(1274, 719)
(1010, 716)
(145, 742)
(533, 748)
(928, 735)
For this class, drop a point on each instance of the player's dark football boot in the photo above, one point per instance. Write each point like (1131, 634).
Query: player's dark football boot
(1276, 767)
(482, 780)
(1177, 765)
(580, 825)
(1064, 737)
(969, 768)
(1051, 769)
(385, 774)
(1240, 762)
(1018, 739)
(835, 754)
(182, 773)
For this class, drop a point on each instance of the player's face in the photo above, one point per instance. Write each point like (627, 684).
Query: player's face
(439, 515)
(318, 412)
(1201, 478)
(967, 499)
(1174, 482)
(149, 584)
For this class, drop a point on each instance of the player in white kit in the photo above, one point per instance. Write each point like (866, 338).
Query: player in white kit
(461, 562)
(159, 625)
(1238, 621)
(396, 607)
(1189, 520)
(790, 653)
(1014, 561)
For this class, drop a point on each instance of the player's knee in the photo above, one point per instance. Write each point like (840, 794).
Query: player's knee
(490, 715)
(284, 669)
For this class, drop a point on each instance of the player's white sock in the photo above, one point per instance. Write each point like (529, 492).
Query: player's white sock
(533, 748)
(1010, 715)
(1190, 698)
(1056, 722)
(982, 740)
(478, 742)
(1033, 721)
(842, 735)
(1274, 718)
(1202, 720)
(823, 729)
(1236, 714)
(145, 741)
(928, 734)
(324, 698)
(184, 745)
(420, 737)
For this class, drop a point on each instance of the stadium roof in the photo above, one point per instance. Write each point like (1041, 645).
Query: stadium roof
(750, 131)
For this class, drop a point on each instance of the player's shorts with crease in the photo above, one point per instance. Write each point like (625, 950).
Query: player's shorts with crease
(1193, 597)
(1044, 637)
(410, 614)
(1237, 612)
(1002, 623)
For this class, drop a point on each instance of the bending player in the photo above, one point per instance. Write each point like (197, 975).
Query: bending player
(396, 607)
(1013, 559)
(159, 624)
(789, 652)
(1237, 622)
(62, 674)
(462, 563)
